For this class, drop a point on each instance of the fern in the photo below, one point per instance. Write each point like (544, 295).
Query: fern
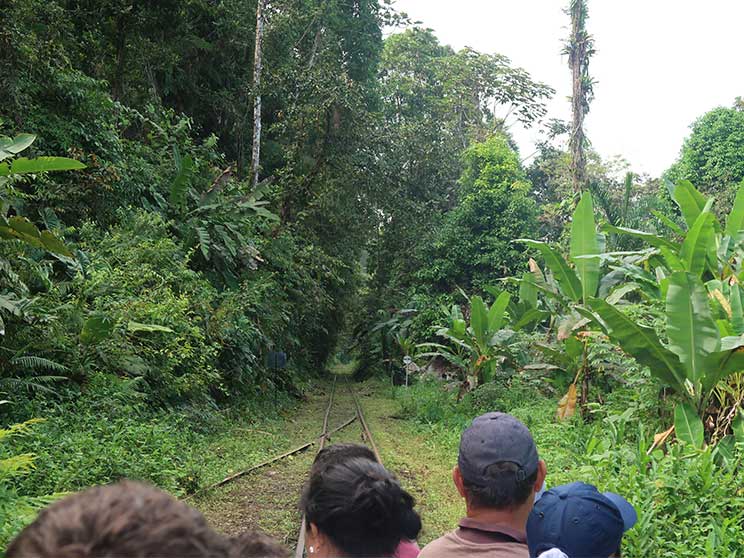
(35, 383)
(204, 241)
(31, 362)
(18, 429)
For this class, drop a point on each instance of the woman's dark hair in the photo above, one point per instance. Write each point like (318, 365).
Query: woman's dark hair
(338, 453)
(359, 505)
(411, 525)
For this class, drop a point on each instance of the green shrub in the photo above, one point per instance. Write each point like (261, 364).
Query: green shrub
(138, 274)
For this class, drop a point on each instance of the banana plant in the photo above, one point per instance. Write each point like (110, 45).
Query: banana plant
(703, 247)
(697, 353)
(475, 347)
(15, 227)
(572, 281)
(525, 312)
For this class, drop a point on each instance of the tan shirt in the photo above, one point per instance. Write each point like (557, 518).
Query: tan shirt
(474, 539)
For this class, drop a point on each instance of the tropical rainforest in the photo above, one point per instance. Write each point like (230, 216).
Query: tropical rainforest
(204, 205)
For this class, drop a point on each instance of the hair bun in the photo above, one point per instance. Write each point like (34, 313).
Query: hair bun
(378, 498)
(410, 523)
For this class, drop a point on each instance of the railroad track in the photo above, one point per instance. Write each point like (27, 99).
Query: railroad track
(320, 441)
(366, 434)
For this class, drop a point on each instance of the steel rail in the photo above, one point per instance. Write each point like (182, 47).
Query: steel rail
(366, 432)
(300, 550)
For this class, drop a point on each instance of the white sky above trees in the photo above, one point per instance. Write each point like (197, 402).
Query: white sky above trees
(660, 64)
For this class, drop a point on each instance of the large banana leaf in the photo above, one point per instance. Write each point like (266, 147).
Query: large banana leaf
(691, 331)
(735, 220)
(698, 243)
(13, 146)
(737, 313)
(722, 365)
(528, 291)
(44, 164)
(479, 321)
(584, 243)
(640, 342)
(22, 229)
(531, 316)
(688, 426)
(567, 279)
(671, 225)
(672, 259)
(690, 201)
(496, 313)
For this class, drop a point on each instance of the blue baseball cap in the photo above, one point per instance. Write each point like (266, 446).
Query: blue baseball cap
(496, 438)
(580, 521)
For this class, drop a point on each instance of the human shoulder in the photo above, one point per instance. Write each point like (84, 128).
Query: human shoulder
(453, 546)
(439, 547)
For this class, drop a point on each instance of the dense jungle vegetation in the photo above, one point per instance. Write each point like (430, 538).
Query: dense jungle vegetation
(148, 281)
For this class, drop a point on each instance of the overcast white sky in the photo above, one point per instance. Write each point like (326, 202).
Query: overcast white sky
(660, 63)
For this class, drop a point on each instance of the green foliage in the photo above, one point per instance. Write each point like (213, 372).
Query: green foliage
(580, 282)
(473, 248)
(687, 425)
(16, 510)
(585, 246)
(711, 156)
(108, 431)
(476, 345)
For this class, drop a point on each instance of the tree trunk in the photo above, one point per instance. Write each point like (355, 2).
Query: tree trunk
(579, 49)
(257, 67)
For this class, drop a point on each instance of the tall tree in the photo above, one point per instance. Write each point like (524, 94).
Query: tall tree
(257, 68)
(579, 48)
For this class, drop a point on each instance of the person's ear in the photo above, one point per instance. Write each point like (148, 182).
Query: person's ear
(312, 539)
(542, 472)
(458, 480)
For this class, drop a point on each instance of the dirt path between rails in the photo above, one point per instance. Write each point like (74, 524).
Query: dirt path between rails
(267, 499)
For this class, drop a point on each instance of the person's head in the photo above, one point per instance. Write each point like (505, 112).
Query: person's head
(123, 519)
(498, 467)
(354, 508)
(253, 544)
(579, 521)
(339, 453)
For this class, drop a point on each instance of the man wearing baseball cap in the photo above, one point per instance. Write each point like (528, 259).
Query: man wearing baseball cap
(577, 521)
(498, 474)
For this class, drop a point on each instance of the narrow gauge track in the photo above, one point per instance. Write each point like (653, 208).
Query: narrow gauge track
(325, 436)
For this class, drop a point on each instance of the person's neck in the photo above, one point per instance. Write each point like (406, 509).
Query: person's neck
(516, 518)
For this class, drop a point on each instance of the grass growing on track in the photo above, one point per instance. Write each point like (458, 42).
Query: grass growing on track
(267, 499)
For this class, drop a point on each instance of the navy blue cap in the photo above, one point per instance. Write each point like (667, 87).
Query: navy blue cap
(579, 520)
(496, 438)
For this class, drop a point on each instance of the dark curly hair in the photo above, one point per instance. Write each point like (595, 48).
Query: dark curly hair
(359, 505)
